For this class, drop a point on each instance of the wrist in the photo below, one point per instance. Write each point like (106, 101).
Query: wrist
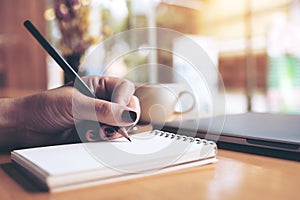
(8, 114)
(11, 123)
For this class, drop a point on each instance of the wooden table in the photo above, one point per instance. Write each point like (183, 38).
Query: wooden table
(234, 176)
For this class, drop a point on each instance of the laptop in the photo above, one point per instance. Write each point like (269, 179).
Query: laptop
(262, 133)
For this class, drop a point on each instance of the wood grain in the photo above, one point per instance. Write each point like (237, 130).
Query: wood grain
(234, 176)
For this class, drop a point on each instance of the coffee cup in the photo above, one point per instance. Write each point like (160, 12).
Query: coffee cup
(161, 101)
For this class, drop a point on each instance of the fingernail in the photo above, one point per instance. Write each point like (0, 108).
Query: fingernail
(129, 116)
(109, 132)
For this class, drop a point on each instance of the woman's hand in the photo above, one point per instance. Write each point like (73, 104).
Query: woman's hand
(49, 117)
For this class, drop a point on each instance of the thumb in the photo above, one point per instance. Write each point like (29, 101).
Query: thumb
(106, 112)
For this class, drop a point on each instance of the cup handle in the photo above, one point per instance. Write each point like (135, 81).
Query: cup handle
(191, 107)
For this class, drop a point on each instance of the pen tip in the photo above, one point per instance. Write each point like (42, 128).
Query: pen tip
(129, 139)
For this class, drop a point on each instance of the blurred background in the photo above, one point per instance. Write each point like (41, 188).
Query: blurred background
(255, 44)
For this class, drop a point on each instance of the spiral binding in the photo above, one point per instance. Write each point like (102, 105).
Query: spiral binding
(183, 138)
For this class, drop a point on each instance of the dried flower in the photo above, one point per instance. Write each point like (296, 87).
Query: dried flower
(73, 20)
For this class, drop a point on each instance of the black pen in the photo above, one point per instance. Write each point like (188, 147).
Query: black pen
(70, 72)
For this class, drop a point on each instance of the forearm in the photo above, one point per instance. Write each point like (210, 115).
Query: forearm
(9, 123)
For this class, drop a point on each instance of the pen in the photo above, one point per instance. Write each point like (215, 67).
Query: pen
(70, 72)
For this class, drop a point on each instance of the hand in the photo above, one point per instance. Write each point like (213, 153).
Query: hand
(44, 118)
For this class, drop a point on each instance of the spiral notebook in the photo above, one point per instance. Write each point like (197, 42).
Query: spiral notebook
(64, 167)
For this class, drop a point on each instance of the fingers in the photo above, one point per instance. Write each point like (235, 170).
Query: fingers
(85, 108)
(116, 106)
(134, 104)
(108, 114)
(92, 82)
(115, 89)
(104, 132)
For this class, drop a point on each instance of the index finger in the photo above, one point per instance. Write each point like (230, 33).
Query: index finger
(115, 89)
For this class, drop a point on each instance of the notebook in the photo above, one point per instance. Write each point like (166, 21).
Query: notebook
(71, 166)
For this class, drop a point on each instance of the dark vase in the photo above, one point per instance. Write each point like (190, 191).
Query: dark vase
(74, 62)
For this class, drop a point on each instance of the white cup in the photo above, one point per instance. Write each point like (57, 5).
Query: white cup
(160, 101)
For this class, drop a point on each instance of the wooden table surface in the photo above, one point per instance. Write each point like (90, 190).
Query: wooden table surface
(235, 176)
